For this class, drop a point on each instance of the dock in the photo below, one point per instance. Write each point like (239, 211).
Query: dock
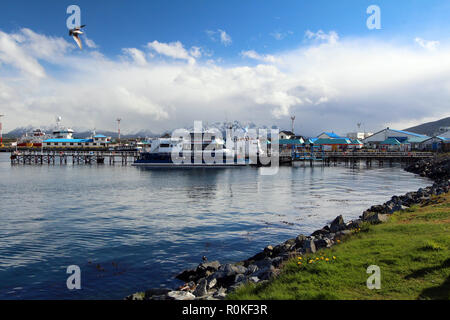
(354, 157)
(53, 157)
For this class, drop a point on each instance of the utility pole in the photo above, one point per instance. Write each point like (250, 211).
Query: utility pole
(118, 127)
(293, 119)
(1, 130)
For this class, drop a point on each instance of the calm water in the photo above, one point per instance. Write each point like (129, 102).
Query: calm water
(131, 229)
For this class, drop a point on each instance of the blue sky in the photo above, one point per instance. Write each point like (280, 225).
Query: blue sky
(164, 64)
(251, 24)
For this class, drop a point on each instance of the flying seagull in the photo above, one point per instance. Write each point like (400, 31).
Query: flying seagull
(75, 33)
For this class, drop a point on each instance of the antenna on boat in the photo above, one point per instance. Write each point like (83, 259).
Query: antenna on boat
(58, 121)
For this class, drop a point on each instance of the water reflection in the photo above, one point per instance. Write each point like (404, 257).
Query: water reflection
(130, 228)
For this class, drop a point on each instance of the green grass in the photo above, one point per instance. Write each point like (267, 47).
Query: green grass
(411, 249)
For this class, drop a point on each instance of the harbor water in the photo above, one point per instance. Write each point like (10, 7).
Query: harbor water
(131, 229)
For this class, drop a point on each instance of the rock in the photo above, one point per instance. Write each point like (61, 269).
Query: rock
(181, 295)
(209, 266)
(156, 292)
(201, 288)
(212, 283)
(355, 224)
(337, 224)
(323, 243)
(252, 269)
(240, 269)
(309, 246)
(187, 275)
(254, 279)
(136, 296)
(239, 278)
(377, 218)
(263, 264)
(322, 231)
(221, 293)
(276, 262)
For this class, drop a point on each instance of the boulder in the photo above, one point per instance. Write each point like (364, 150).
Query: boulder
(187, 275)
(181, 295)
(252, 269)
(337, 224)
(201, 288)
(309, 246)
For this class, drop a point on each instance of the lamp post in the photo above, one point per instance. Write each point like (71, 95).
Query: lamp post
(118, 127)
(1, 130)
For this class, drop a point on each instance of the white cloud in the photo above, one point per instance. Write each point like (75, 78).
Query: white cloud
(429, 45)
(224, 38)
(89, 42)
(137, 55)
(196, 52)
(173, 50)
(331, 37)
(327, 86)
(280, 35)
(256, 56)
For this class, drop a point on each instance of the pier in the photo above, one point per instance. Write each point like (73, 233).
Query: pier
(354, 157)
(53, 157)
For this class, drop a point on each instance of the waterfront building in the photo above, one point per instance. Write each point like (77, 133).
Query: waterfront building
(96, 141)
(328, 135)
(285, 135)
(393, 144)
(437, 143)
(338, 144)
(405, 137)
(359, 135)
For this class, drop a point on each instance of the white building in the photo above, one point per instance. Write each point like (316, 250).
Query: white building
(359, 135)
(412, 138)
(286, 135)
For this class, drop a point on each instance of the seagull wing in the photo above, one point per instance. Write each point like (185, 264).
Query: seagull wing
(78, 41)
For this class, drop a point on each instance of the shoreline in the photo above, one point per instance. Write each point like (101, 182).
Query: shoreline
(214, 281)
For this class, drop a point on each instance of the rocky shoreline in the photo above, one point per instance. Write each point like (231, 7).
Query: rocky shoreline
(213, 281)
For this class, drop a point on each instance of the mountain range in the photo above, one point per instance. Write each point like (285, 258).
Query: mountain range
(431, 128)
(82, 133)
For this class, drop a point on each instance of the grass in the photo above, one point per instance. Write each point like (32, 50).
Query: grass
(411, 249)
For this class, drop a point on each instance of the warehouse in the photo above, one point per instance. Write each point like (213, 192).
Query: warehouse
(404, 137)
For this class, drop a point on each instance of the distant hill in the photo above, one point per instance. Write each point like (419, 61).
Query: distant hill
(430, 128)
(19, 132)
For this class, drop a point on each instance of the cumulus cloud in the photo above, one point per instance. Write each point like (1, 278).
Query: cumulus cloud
(332, 83)
(429, 45)
(221, 35)
(256, 56)
(136, 55)
(331, 37)
(174, 50)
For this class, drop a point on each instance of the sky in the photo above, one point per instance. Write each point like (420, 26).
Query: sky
(161, 65)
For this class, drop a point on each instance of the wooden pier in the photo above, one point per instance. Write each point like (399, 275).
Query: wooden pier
(355, 157)
(53, 157)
